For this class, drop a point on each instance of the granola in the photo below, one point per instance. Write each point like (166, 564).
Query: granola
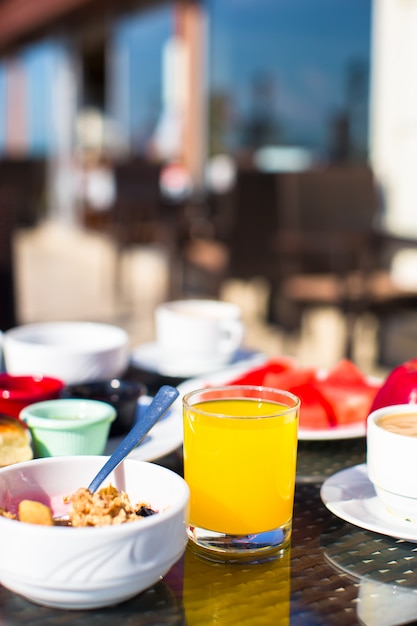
(105, 507)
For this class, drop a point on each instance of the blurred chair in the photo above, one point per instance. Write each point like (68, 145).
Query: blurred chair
(8, 313)
(325, 247)
(208, 218)
(24, 181)
(201, 255)
(255, 219)
(255, 215)
(131, 215)
(136, 215)
(392, 298)
(137, 209)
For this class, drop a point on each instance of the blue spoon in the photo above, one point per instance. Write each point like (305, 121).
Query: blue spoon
(159, 405)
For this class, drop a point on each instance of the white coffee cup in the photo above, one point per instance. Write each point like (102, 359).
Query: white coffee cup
(196, 336)
(392, 458)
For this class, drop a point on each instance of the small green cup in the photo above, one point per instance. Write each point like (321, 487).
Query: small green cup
(69, 426)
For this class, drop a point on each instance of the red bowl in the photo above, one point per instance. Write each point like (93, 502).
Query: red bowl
(16, 392)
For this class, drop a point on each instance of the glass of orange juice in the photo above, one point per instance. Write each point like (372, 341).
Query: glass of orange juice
(240, 453)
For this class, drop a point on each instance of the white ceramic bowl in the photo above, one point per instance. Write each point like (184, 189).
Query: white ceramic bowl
(75, 352)
(83, 568)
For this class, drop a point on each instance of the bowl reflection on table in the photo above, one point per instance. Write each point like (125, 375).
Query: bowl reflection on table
(159, 600)
(84, 568)
(123, 395)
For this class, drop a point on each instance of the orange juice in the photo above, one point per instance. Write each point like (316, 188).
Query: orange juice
(239, 462)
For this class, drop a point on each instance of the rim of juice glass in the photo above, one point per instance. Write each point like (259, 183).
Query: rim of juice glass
(255, 392)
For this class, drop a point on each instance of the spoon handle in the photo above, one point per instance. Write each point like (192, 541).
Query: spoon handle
(159, 405)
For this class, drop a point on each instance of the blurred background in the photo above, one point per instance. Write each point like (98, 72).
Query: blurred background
(261, 152)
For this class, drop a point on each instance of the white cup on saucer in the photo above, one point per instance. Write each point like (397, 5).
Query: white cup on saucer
(392, 458)
(197, 336)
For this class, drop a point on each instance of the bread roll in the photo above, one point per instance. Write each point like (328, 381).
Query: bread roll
(15, 441)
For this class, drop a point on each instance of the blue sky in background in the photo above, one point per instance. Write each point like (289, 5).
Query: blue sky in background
(140, 39)
(303, 45)
(41, 63)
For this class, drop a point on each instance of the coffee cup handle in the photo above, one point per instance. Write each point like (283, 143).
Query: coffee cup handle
(232, 336)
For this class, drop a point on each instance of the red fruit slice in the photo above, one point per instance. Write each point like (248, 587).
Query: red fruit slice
(257, 375)
(313, 413)
(341, 397)
(345, 373)
(348, 392)
(351, 404)
(290, 378)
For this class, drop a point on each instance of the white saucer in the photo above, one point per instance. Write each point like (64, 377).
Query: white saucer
(165, 437)
(350, 495)
(146, 357)
(351, 431)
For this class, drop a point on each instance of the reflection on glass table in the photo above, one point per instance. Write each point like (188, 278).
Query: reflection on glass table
(385, 569)
(215, 593)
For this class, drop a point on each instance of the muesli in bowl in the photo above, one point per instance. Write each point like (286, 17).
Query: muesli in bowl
(105, 507)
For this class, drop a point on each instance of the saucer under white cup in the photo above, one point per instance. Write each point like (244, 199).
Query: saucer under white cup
(197, 335)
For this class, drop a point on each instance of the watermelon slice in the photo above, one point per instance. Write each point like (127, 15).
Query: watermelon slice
(339, 397)
(345, 373)
(314, 414)
(290, 378)
(257, 375)
(348, 392)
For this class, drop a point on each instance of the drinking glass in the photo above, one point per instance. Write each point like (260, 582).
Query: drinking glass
(240, 452)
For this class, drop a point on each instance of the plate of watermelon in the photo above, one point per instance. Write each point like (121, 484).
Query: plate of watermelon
(334, 402)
